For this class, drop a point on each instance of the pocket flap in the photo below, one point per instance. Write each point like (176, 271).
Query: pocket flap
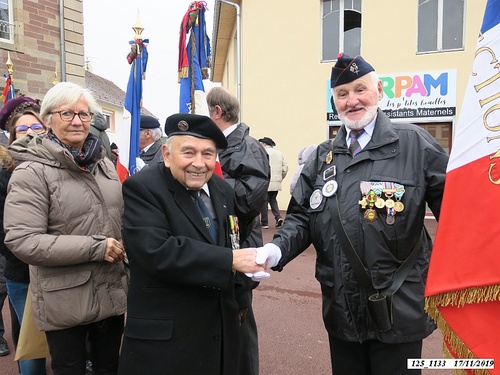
(65, 281)
(149, 329)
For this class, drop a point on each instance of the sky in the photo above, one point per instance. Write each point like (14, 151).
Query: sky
(108, 30)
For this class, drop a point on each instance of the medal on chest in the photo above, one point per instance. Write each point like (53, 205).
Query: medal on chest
(378, 195)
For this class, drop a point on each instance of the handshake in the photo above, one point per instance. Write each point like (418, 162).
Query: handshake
(255, 261)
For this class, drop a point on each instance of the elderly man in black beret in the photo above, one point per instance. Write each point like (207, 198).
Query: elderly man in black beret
(150, 140)
(361, 200)
(182, 241)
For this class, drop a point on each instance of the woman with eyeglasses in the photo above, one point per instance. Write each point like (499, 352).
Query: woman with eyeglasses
(63, 216)
(20, 117)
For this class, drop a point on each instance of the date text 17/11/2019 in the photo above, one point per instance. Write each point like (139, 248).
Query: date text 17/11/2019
(445, 363)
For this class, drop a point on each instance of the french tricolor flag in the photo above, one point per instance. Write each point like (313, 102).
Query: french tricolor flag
(463, 284)
(194, 59)
(128, 161)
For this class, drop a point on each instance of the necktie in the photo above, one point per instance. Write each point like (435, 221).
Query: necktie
(205, 214)
(355, 147)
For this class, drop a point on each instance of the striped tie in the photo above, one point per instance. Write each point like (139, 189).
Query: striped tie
(205, 214)
(355, 147)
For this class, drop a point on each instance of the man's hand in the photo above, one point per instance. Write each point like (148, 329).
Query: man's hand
(244, 261)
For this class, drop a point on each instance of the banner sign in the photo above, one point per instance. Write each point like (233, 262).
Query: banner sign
(424, 95)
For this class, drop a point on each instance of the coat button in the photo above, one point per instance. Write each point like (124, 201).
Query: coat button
(216, 338)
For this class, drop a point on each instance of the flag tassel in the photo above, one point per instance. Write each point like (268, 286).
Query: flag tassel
(452, 342)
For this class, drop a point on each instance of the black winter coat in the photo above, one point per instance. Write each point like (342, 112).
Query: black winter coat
(15, 269)
(397, 153)
(182, 310)
(245, 166)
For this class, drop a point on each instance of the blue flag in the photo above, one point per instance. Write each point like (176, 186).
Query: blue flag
(194, 60)
(129, 161)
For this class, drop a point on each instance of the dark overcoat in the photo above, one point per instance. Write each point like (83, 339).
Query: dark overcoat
(182, 312)
(153, 155)
(397, 153)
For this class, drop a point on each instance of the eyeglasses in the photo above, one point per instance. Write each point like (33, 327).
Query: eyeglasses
(70, 115)
(23, 129)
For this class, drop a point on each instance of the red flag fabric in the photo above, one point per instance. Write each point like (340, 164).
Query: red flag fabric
(463, 284)
(193, 64)
(7, 90)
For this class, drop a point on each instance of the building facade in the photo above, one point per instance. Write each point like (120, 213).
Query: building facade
(278, 61)
(44, 39)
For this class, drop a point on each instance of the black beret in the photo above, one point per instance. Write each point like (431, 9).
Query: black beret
(17, 105)
(267, 141)
(149, 122)
(348, 69)
(196, 125)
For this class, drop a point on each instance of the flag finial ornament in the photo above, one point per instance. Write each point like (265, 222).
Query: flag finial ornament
(56, 80)
(8, 90)
(10, 65)
(138, 26)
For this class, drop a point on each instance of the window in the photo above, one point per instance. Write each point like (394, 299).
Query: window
(341, 28)
(6, 21)
(110, 120)
(440, 25)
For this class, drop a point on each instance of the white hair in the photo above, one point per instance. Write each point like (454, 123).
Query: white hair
(66, 93)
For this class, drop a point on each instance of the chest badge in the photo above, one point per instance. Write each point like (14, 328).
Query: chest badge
(330, 188)
(315, 199)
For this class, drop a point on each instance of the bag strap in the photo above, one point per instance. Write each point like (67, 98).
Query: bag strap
(357, 264)
(404, 269)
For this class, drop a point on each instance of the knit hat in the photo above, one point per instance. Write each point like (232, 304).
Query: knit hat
(17, 105)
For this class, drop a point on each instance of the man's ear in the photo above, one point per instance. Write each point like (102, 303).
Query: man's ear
(166, 155)
(218, 111)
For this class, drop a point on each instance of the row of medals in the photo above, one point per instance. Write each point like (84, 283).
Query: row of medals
(371, 199)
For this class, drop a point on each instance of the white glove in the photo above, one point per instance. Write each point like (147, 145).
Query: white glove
(269, 253)
(258, 276)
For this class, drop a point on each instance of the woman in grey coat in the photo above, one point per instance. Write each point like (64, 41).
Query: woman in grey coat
(63, 216)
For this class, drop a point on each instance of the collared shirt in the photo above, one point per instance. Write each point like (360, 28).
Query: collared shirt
(208, 202)
(205, 189)
(365, 137)
(145, 149)
(229, 130)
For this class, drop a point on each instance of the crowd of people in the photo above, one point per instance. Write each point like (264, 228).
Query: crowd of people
(157, 275)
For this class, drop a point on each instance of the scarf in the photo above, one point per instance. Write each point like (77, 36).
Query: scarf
(87, 156)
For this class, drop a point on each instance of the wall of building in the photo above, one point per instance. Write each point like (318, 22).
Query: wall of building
(283, 80)
(36, 51)
(390, 37)
(285, 84)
